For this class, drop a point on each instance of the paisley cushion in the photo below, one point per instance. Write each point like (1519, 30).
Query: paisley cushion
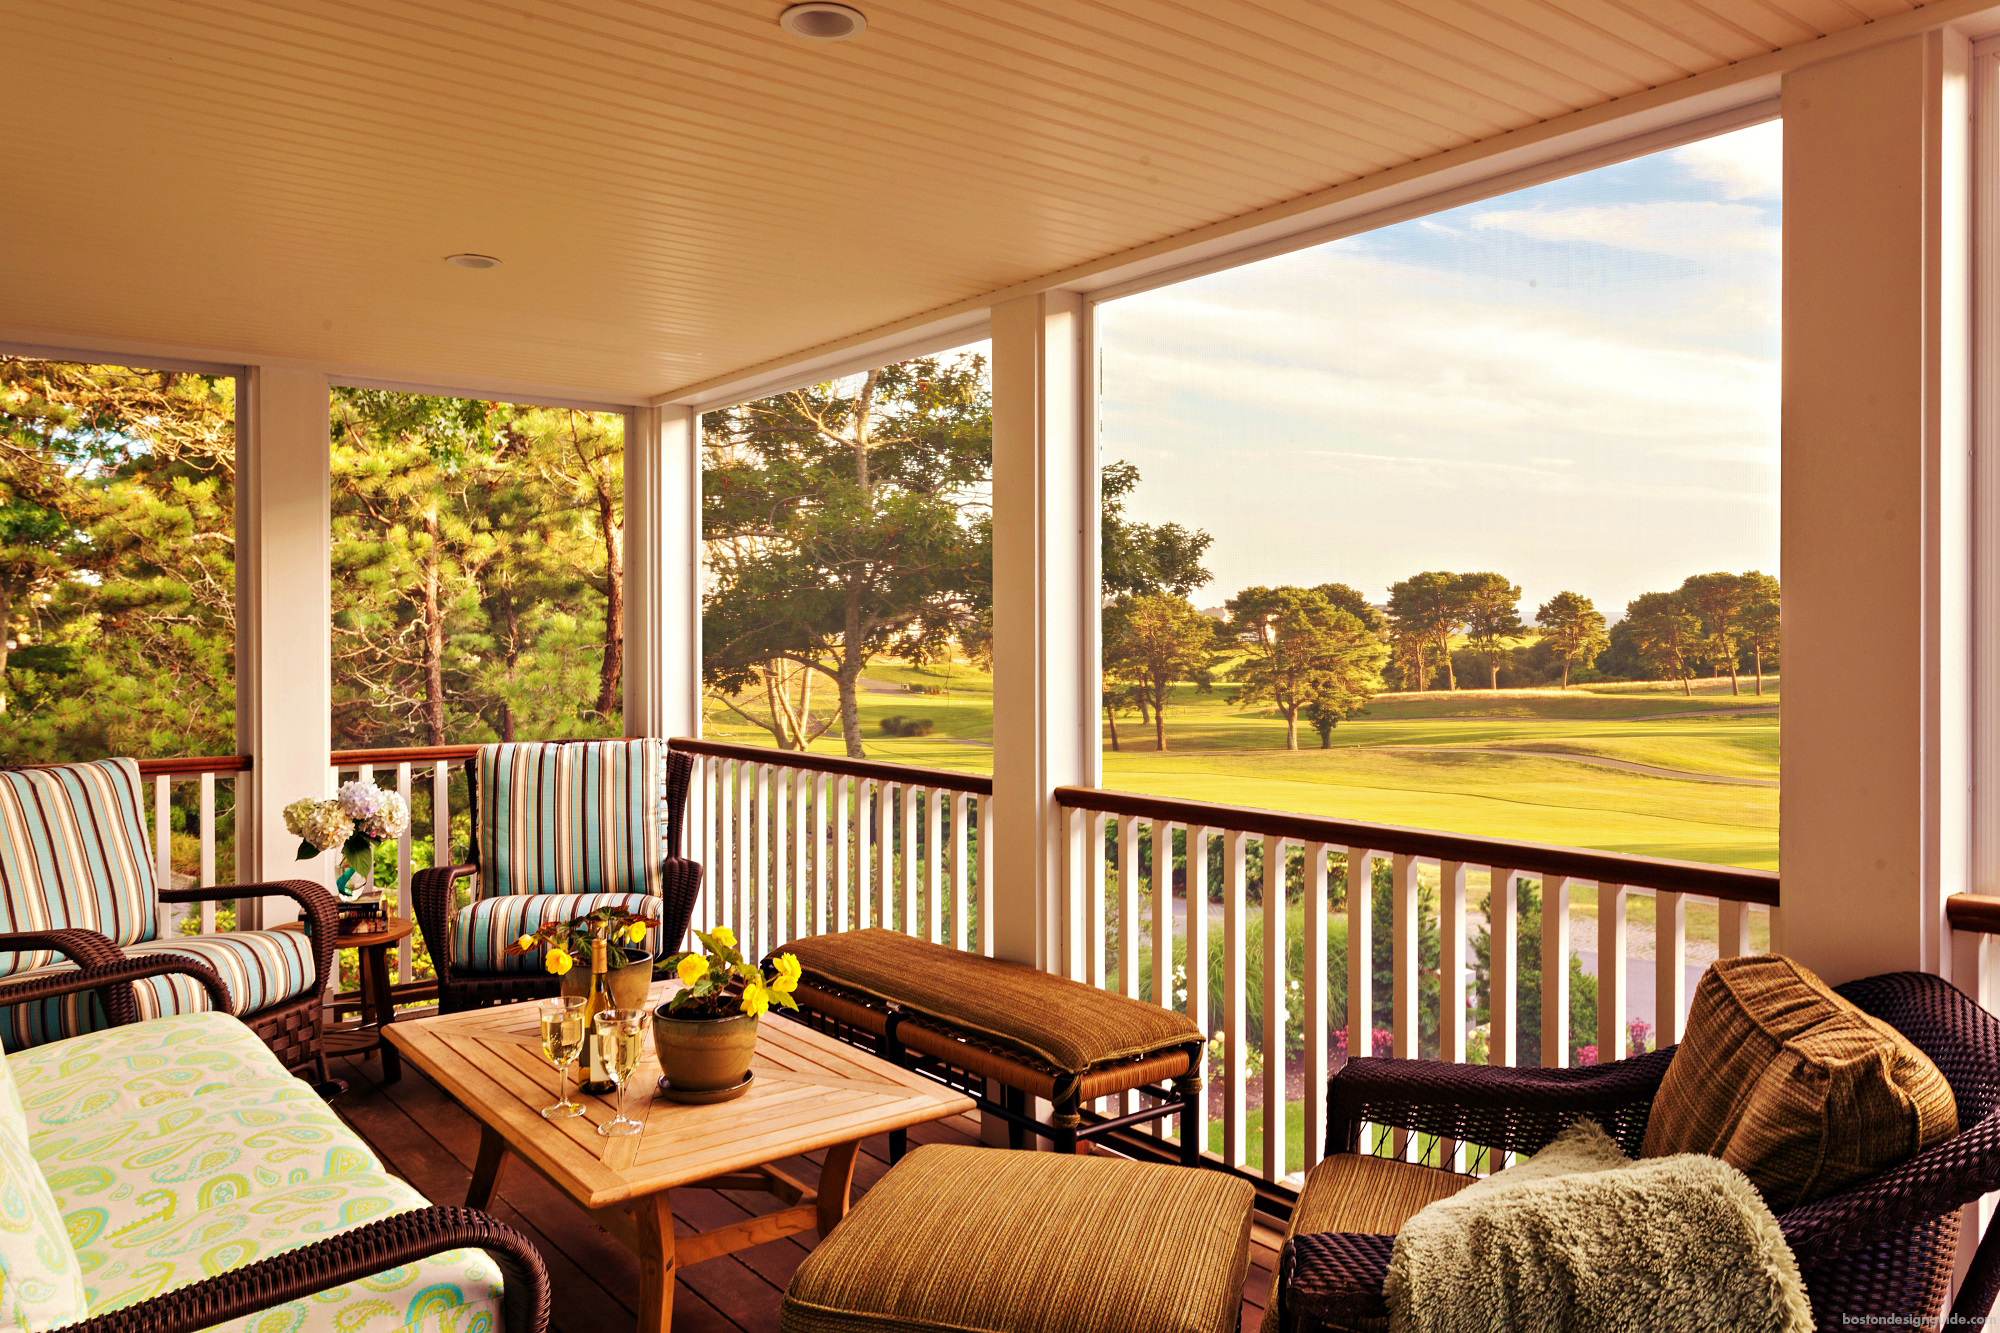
(41, 1283)
(180, 1147)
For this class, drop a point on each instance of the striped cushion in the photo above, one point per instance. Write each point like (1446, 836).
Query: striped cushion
(481, 933)
(576, 817)
(260, 967)
(73, 854)
(1373, 1196)
(25, 1026)
(1794, 1085)
(975, 1238)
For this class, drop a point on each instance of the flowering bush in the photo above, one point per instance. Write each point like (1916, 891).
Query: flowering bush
(569, 941)
(356, 821)
(709, 972)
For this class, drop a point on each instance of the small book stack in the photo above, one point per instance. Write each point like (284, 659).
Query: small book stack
(363, 914)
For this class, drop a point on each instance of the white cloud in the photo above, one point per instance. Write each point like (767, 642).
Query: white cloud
(1682, 229)
(1747, 164)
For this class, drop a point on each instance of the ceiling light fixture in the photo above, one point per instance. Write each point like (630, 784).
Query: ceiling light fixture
(823, 21)
(472, 261)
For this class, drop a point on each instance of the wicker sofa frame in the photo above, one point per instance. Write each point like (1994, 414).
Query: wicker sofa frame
(322, 1265)
(293, 1029)
(434, 901)
(1883, 1248)
(974, 1062)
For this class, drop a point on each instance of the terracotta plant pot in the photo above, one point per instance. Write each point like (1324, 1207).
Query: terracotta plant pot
(629, 983)
(704, 1054)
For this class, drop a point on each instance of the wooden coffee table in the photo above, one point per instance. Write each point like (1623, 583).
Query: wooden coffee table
(810, 1092)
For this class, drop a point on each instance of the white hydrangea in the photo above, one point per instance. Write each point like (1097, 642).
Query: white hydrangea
(362, 800)
(391, 817)
(324, 824)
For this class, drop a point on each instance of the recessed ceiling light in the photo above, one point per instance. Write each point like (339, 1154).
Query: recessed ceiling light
(472, 261)
(823, 21)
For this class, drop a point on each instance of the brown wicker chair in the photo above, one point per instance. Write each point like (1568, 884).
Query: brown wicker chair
(106, 800)
(323, 1265)
(434, 901)
(1884, 1247)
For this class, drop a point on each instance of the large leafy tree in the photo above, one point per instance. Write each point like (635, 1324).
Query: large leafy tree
(844, 520)
(1144, 559)
(1153, 642)
(1574, 628)
(1425, 610)
(1301, 650)
(1718, 599)
(1759, 623)
(1666, 634)
(1491, 609)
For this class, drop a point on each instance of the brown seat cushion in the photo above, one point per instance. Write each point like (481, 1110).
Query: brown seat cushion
(962, 1238)
(1068, 1024)
(1370, 1195)
(1794, 1086)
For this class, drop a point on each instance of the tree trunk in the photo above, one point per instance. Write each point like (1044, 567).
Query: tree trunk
(1291, 727)
(1493, 669)
(609, 675)
(1758, 655)
(1734, 688)
(1111, 718)
(1160, 723)
(433, 613)
(1450, 671)
(1565, 673)
(1687, 686)
(6, 635)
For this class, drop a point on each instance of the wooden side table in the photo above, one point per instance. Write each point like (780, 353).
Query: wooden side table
(378, 1007)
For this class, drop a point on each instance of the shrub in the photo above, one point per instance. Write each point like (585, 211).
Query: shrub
(907, 726)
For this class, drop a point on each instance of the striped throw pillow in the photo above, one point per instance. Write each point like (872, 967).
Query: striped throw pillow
(73, 854)
(571, 817)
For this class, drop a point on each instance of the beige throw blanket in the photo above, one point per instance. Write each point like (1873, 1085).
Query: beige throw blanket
(1581, 1238)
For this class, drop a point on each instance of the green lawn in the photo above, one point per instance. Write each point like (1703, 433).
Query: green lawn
(1441, 761)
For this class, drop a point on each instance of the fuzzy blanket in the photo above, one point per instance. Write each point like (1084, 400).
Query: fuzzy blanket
(1580, 1237)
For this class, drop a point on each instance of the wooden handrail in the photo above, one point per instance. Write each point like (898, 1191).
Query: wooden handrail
(1645, 872)
(415, 754)
(979, 784)
(1976, 913)
(178, 767)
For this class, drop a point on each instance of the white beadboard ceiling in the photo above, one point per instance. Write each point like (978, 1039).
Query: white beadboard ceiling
(679, 189)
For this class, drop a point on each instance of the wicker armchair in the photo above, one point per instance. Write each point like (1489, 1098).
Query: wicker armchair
(376, 1247)
(513, 898)
(89, 910)
(1884, 1247)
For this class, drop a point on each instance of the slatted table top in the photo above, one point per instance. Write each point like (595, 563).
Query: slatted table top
(810, 1092)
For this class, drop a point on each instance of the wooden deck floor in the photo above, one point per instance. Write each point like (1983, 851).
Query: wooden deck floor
(428, 1140)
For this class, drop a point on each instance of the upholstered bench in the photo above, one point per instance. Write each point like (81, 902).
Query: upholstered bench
(969, 1238)
(967, 1019)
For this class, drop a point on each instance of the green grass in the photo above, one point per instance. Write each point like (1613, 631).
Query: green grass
(1436, 760)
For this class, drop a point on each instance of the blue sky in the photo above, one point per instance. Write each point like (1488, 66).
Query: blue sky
(1576, 385)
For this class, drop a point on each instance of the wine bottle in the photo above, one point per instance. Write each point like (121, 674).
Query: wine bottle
(596, 1078)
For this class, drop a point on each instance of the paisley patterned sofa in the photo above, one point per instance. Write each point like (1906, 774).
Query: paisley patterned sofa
(170, 1174)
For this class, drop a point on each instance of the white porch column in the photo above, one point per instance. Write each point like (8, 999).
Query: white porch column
(283, 661)
(1876, 507)
(662, 572)
(1042, 597)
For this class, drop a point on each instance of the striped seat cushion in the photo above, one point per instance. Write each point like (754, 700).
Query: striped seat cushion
(73, 854)
(260, 967)
(957, 1237)
(575, 817)
(481, 933)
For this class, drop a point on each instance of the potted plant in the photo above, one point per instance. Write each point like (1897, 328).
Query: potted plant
(568, 943)
(357, 821)
(706, 1034)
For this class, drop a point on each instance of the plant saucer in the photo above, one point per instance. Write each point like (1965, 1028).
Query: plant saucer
(707, 1096)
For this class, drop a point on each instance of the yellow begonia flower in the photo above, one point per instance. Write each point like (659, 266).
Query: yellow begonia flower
(525, 943)
(635, 932)
(559, 961)
(788, 971)
(724, 936)
(755, 998)
(692, 969)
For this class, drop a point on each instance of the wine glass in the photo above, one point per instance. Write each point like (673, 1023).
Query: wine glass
(562, 1038)
(621, 1038)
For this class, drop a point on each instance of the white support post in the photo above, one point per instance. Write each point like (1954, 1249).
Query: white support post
(1876, 495)
(1044, 736)
(662, 572)
(284, 635)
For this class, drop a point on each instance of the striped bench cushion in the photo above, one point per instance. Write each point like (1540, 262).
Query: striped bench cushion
(73, 854)
(573, 817)
(481, 933)
(260, 967)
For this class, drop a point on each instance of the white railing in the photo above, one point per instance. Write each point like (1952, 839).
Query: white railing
(196, 790)
(1142, 924)
(803, 844)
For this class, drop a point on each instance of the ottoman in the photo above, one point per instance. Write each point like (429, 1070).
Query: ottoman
(964, 1238)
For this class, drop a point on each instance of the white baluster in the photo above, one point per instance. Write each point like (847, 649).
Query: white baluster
(1274, 1008)
(1454, 960)
(1195, 931)
(1732, 929)
(906, 857)
(1128, 905)
(1073, 876)
(1502, 904)
(961, 846)
(800, 892)
(841, 817)
(1236, 1050)
(1404, 925)
(985, 875)
(1669, 967)
(885, 856)
(722, 874)
(1555, 971)
(163, 842)
(1096, 929)
(1360, 954)
(933, 865)
(206, 813)
(1317, 1000)
(406, 965)
(1163, 914)
(1613, 1018)
(765, 810)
